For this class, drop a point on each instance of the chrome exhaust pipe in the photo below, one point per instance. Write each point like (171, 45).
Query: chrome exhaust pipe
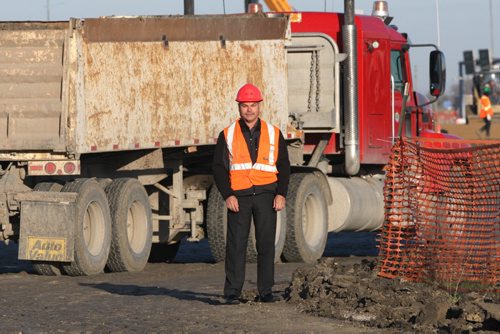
(351, 139)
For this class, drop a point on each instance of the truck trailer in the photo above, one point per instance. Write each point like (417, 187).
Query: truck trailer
(109, 125)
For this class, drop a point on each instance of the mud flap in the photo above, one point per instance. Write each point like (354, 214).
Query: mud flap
(47, 228)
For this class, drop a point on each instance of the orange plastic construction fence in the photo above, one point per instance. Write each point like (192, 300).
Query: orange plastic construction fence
(442, 202)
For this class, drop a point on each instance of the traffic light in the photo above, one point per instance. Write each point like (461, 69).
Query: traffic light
(469, 62)
(484, 59)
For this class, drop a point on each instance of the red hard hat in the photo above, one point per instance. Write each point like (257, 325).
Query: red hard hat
(249, 93)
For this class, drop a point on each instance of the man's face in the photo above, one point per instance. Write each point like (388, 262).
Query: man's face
(249, 111)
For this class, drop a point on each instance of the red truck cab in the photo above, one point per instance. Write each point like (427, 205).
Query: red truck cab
(384, 69)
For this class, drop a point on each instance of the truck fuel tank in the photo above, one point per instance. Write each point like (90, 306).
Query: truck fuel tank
(358, 204)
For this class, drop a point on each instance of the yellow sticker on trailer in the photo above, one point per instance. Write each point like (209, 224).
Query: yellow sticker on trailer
(46, 249)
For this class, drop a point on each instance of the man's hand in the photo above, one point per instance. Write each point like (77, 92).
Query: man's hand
(232, 203)
(279, 202)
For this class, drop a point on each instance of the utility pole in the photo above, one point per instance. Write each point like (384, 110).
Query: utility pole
(48, 10)
(437, 21)
(492, 35)
(188, 7)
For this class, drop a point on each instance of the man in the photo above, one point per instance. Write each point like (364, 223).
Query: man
(251, 170)
(486, 112)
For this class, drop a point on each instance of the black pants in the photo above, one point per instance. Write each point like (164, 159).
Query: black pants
(486, 127)
(260, 207)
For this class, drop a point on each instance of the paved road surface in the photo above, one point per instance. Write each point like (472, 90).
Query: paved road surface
(179, 297)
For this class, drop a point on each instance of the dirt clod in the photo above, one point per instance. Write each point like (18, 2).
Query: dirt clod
(356, 293)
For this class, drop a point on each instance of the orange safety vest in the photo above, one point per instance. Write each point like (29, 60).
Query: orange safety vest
(486, 108)
(242, 173)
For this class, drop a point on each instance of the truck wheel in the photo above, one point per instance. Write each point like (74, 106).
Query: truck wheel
(47, 268)
(163, 252)
(307, 212)
(131, 223)
(217, 227)
(216, 224)
(92, 228)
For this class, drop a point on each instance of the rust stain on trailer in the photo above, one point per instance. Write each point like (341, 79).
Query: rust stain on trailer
(135, 94)
(138, 92)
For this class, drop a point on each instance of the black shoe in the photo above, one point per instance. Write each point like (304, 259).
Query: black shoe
(231, 300)
(268, 298)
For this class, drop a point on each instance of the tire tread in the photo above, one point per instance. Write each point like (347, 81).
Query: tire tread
(116, 261)
(291, 251)
(74, 268)
(296, 249)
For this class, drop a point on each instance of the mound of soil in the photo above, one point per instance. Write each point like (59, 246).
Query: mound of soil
(356, 293)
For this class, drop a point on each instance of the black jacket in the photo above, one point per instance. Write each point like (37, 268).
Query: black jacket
(221, 164)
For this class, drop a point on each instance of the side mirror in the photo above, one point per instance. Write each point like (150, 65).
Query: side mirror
(437, 73)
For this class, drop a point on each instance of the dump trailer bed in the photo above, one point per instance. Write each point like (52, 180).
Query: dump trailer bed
(114, 84)
(97, 122)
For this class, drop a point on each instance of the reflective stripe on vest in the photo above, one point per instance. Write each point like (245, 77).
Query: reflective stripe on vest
(270, 130)
(242, 166)
(244, 174)
(265, 168)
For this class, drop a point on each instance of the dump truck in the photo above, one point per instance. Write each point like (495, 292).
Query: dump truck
(109, 125)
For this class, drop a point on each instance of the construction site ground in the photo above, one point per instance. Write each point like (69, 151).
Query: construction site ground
(341, 294)
(470, 130)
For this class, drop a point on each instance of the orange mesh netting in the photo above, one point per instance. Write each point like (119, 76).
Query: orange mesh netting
(442, 213)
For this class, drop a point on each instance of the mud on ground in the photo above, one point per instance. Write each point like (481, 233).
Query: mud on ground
(342, 294)
(356, 293)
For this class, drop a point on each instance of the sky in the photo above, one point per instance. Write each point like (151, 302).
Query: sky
(453, 25)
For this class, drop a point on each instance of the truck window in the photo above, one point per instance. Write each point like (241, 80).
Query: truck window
(397, 70)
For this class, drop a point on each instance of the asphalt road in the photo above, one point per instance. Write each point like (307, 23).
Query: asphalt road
(183, 296)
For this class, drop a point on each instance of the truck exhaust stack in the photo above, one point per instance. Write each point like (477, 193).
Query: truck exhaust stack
(352, 160)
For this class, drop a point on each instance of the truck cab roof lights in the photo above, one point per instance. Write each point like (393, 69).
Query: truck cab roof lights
(381, 10)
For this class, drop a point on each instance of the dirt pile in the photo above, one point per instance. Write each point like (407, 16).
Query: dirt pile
(356, 293)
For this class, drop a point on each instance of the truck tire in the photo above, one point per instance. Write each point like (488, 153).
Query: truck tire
(47, 268)
(163, 252)
(307, 212)
(131, 224)
(216, 230)
(279, 242)
(92, 228)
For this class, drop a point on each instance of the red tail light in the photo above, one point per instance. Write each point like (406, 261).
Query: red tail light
(69, 168)
(50, 168)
